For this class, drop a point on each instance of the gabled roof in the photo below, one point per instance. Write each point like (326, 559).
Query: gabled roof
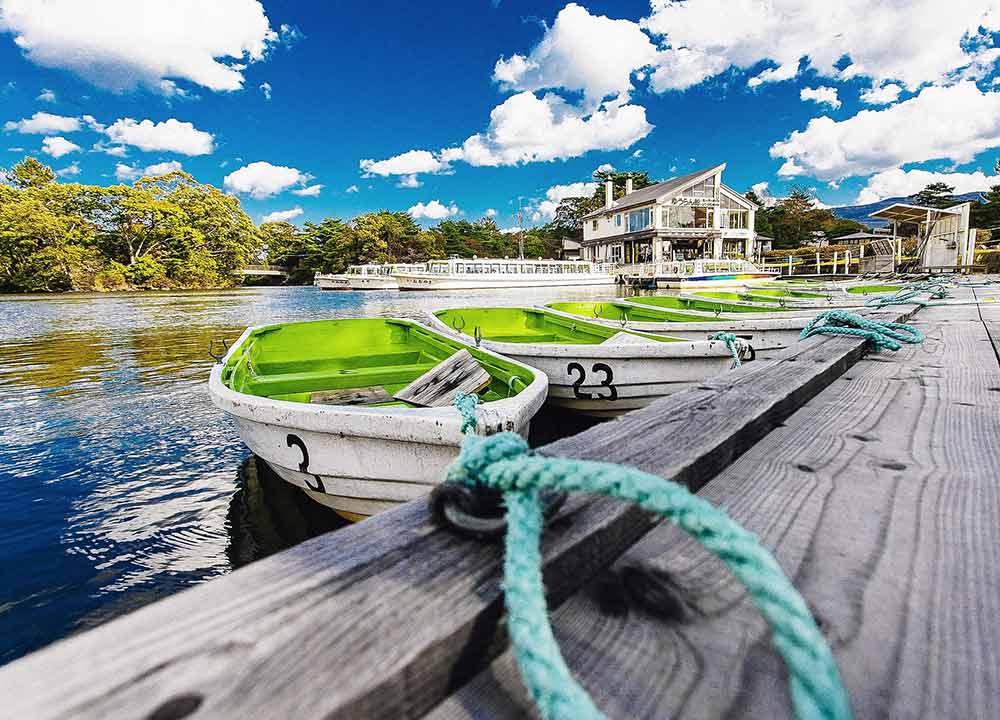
(904, 212)
(657, 192)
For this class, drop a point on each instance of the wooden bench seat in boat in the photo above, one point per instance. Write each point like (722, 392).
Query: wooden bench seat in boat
(335, 379)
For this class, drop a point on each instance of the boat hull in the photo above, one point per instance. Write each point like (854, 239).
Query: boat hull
(361, 460)
(722, 280)
(430, 281)
(332, 282)
(372, 282)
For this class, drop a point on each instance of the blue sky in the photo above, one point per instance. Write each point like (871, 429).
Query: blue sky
(453, 109)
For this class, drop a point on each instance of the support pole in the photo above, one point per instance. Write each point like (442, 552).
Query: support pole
(834, 262)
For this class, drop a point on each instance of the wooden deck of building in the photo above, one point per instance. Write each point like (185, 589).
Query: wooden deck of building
(872, 477)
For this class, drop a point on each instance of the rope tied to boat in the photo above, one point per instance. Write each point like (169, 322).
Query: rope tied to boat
(907, 294)
(889, 336)
(504, 463)
(466, 404)
(732, 342)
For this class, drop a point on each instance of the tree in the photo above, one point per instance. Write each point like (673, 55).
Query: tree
(29, 173)
(937, 195)
(385, 237)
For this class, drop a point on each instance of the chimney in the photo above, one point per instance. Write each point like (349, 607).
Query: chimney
(609, 192)
(628, 185)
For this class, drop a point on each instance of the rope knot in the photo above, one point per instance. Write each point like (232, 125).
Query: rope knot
(478, 453)
(732, 342)
(466, 404)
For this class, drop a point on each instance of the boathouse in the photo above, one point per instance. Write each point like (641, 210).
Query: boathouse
(685, 218)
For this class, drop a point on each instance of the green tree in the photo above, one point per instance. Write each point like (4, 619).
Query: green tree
(385, 237)
(937, 194)
(29, 173)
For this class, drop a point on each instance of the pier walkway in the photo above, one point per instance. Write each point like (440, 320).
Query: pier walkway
(873, 478)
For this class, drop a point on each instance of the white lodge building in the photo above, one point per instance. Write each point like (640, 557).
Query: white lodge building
(685, 218)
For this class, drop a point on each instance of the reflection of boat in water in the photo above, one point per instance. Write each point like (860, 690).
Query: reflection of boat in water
(325, 404)
(266, 515)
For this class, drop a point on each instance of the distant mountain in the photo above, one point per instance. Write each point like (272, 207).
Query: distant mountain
(860, 213)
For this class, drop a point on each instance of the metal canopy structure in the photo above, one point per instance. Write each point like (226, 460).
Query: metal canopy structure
(943, 235)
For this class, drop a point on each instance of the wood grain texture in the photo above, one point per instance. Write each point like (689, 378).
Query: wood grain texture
(438, 386)
(880, 499)
(385, 618)
(351, 396)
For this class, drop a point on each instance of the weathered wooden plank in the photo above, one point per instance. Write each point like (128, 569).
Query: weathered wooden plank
(354, 396)
(438, 386)
(880, 498)
(384, 618)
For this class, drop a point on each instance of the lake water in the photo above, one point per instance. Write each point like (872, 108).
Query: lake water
(120, 483)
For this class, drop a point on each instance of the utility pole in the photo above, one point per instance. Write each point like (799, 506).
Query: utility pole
(520, 228)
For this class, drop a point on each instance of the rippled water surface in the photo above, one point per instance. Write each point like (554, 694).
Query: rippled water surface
(120, 483)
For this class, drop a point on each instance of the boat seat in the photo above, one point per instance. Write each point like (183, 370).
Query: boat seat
(301, 382)
(374, 357)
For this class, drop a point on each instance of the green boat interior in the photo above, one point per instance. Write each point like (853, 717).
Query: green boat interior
(530, 326)
(621, 312)
(730, 296)
(787, 293)
(294, 361)
(873, 289)
(706, 304)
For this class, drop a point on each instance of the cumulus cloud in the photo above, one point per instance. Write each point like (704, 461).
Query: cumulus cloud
(526, 128)
(901, 183)
(409, 181)
(546, 209)
(282, 215)
(168, 136)
(266, 89)
(433, 210)
(122, 44)
(592, 54)
(112, 150)
(606, 167)
(309, 191)
(408, 163)
(43, 123)
(351, 189)
(491, 212)
(125, 172)
(93, 124)
(58, 146)
(955, 123)
(823, 95)
(47, 95)
(884, 95)
(912, 43)
(262, 179)
(764, 194)
(70, 171)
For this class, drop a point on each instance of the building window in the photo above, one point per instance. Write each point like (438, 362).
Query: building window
(735, 219)
(681, 217)
(640, 219)
(593, 226)
(616, 253)
(703, 217)
(618, 220)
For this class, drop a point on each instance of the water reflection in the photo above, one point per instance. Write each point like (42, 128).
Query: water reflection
(121, 483)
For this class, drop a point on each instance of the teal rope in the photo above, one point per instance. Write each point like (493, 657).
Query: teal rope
(504, 462)
(907, 294)
(466, 404)
(879, 335)
(732, 343)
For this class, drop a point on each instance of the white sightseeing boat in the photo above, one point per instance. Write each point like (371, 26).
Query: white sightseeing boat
(367, 277)
(592, 369)
(479, 273)
(704, 273)
(317, 402)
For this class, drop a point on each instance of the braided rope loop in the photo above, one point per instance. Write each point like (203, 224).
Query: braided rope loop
(889, 336)
(466, 404)
(503, 462)
(732, 343)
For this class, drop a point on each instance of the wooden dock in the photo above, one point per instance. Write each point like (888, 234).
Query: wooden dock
(873, 479)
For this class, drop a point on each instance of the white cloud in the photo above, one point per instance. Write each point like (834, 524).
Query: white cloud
(546, 209)
(168, 136)
(637, 154)
(823, 95)
(112, 150)
(491, 212)
(309, 191)
(955, 123)
(409, 181)
(433, 210)
(266, 89)
(58, 146)
(351, 189)
(526, 128)
(43, 123)
(48, 96)
(899, 183)
(262, 179)
(592, 54)
(605, 168)
(913, 42)
(70, 171)
(92, 123)
(884, 95)
(122, 44)
(125, 172)
(761, 191)
(408, 163)
(282, 215)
